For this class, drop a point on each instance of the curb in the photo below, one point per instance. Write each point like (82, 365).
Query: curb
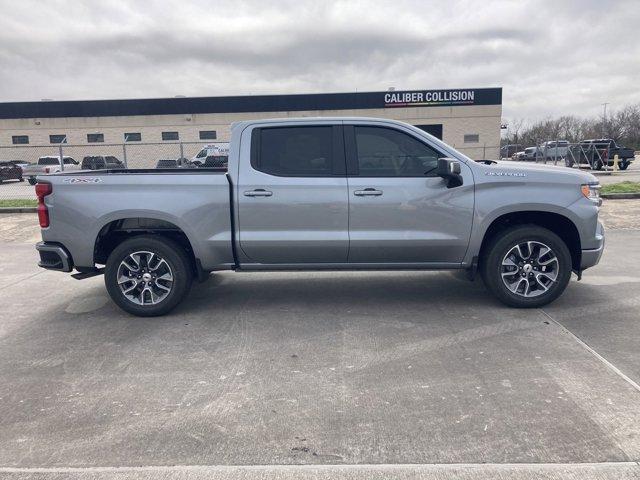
(620, 196)
(18, 210)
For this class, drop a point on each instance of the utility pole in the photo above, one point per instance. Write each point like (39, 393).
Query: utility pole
(604, 118)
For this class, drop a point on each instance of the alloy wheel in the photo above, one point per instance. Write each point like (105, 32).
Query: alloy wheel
(530, 269)
(145, 278)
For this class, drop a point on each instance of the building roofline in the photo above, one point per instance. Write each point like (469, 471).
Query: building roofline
(243, 104)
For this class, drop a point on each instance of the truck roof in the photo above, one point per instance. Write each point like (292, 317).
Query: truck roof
(317, 119)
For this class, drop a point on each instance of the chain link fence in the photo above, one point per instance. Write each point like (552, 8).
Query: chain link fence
(19, 164)
(591, 155)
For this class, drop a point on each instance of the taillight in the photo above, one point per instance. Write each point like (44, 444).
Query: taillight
(42, 190)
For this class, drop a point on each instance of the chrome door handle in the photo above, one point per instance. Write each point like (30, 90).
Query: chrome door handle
(258, 192)
(368, 192)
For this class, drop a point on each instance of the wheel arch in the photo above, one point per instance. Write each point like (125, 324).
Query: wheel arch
(559, 224)
(114, 231)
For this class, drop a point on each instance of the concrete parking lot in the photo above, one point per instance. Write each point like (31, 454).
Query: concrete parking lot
(321, 375)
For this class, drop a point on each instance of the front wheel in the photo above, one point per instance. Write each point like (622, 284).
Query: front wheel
(148, 275)
(623, 165)
(526, 266)
(32, 180)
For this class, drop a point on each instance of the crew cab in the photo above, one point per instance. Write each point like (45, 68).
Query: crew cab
(49, 164)
(323, 194)
(555, 149)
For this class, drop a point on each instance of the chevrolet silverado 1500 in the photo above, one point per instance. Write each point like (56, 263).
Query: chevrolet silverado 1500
(323, 193)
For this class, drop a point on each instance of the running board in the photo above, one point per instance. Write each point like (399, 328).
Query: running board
(91, 273)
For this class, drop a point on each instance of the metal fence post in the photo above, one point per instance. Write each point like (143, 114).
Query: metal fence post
(124, 153)
(181, 151)
(484, 151)
(61, 157)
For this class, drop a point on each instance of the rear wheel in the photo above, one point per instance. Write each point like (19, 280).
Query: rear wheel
(148, 275)
(32, 180)
(526, 266)
(623, 165)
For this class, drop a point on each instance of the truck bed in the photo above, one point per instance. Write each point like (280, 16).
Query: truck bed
(197, 202)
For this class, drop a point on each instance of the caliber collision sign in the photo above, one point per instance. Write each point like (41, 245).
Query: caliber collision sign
(429, 97)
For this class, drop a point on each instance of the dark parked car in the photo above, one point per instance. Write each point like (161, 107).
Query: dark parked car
(167, 163)
(508, 151)
(101, 162)
(216, 161)
(600, 152)
(175, 163)
(10, 171)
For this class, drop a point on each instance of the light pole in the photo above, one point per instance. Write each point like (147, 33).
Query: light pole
(604, 118)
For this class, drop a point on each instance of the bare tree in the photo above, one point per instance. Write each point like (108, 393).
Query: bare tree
(622, 125)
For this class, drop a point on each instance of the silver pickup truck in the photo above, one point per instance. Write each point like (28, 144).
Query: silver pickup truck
(323, 193)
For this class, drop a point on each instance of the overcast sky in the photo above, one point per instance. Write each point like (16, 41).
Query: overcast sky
(550, 57)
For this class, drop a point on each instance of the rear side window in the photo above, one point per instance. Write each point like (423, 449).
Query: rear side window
(296, 151)
(48, 161)
(384, 152)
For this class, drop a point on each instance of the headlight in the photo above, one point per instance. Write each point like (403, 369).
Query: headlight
(592, 192)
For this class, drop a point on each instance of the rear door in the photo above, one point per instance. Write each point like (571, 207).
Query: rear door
(292, 195)
(400, 211)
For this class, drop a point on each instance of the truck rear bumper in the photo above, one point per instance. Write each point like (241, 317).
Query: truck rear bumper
(54, 256)
(591, 257)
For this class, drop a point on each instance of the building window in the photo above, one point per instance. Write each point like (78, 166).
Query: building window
(133, 137)
(208, 135)
(95, 137)
(58, 138)
(170, 136)
(471, 138)
(20, 139)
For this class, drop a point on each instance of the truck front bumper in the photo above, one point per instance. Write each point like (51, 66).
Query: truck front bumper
(54, 256)
(591, 257)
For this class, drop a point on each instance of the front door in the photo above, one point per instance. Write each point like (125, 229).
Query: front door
(292, 197)
(400, 211)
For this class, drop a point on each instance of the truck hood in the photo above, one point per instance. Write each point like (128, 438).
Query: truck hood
(538, 172)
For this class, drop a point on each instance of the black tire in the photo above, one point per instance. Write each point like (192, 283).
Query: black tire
(623, 165)
(597, 165)
(491, 266)
(32, 180)
(175, 257)
(21, 179)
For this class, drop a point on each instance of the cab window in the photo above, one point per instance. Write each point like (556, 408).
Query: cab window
(313, 151)
(385, 152)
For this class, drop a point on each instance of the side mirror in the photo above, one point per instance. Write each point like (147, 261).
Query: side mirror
(450, 170)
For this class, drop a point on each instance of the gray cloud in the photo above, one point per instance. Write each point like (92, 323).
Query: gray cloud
(550, 57)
